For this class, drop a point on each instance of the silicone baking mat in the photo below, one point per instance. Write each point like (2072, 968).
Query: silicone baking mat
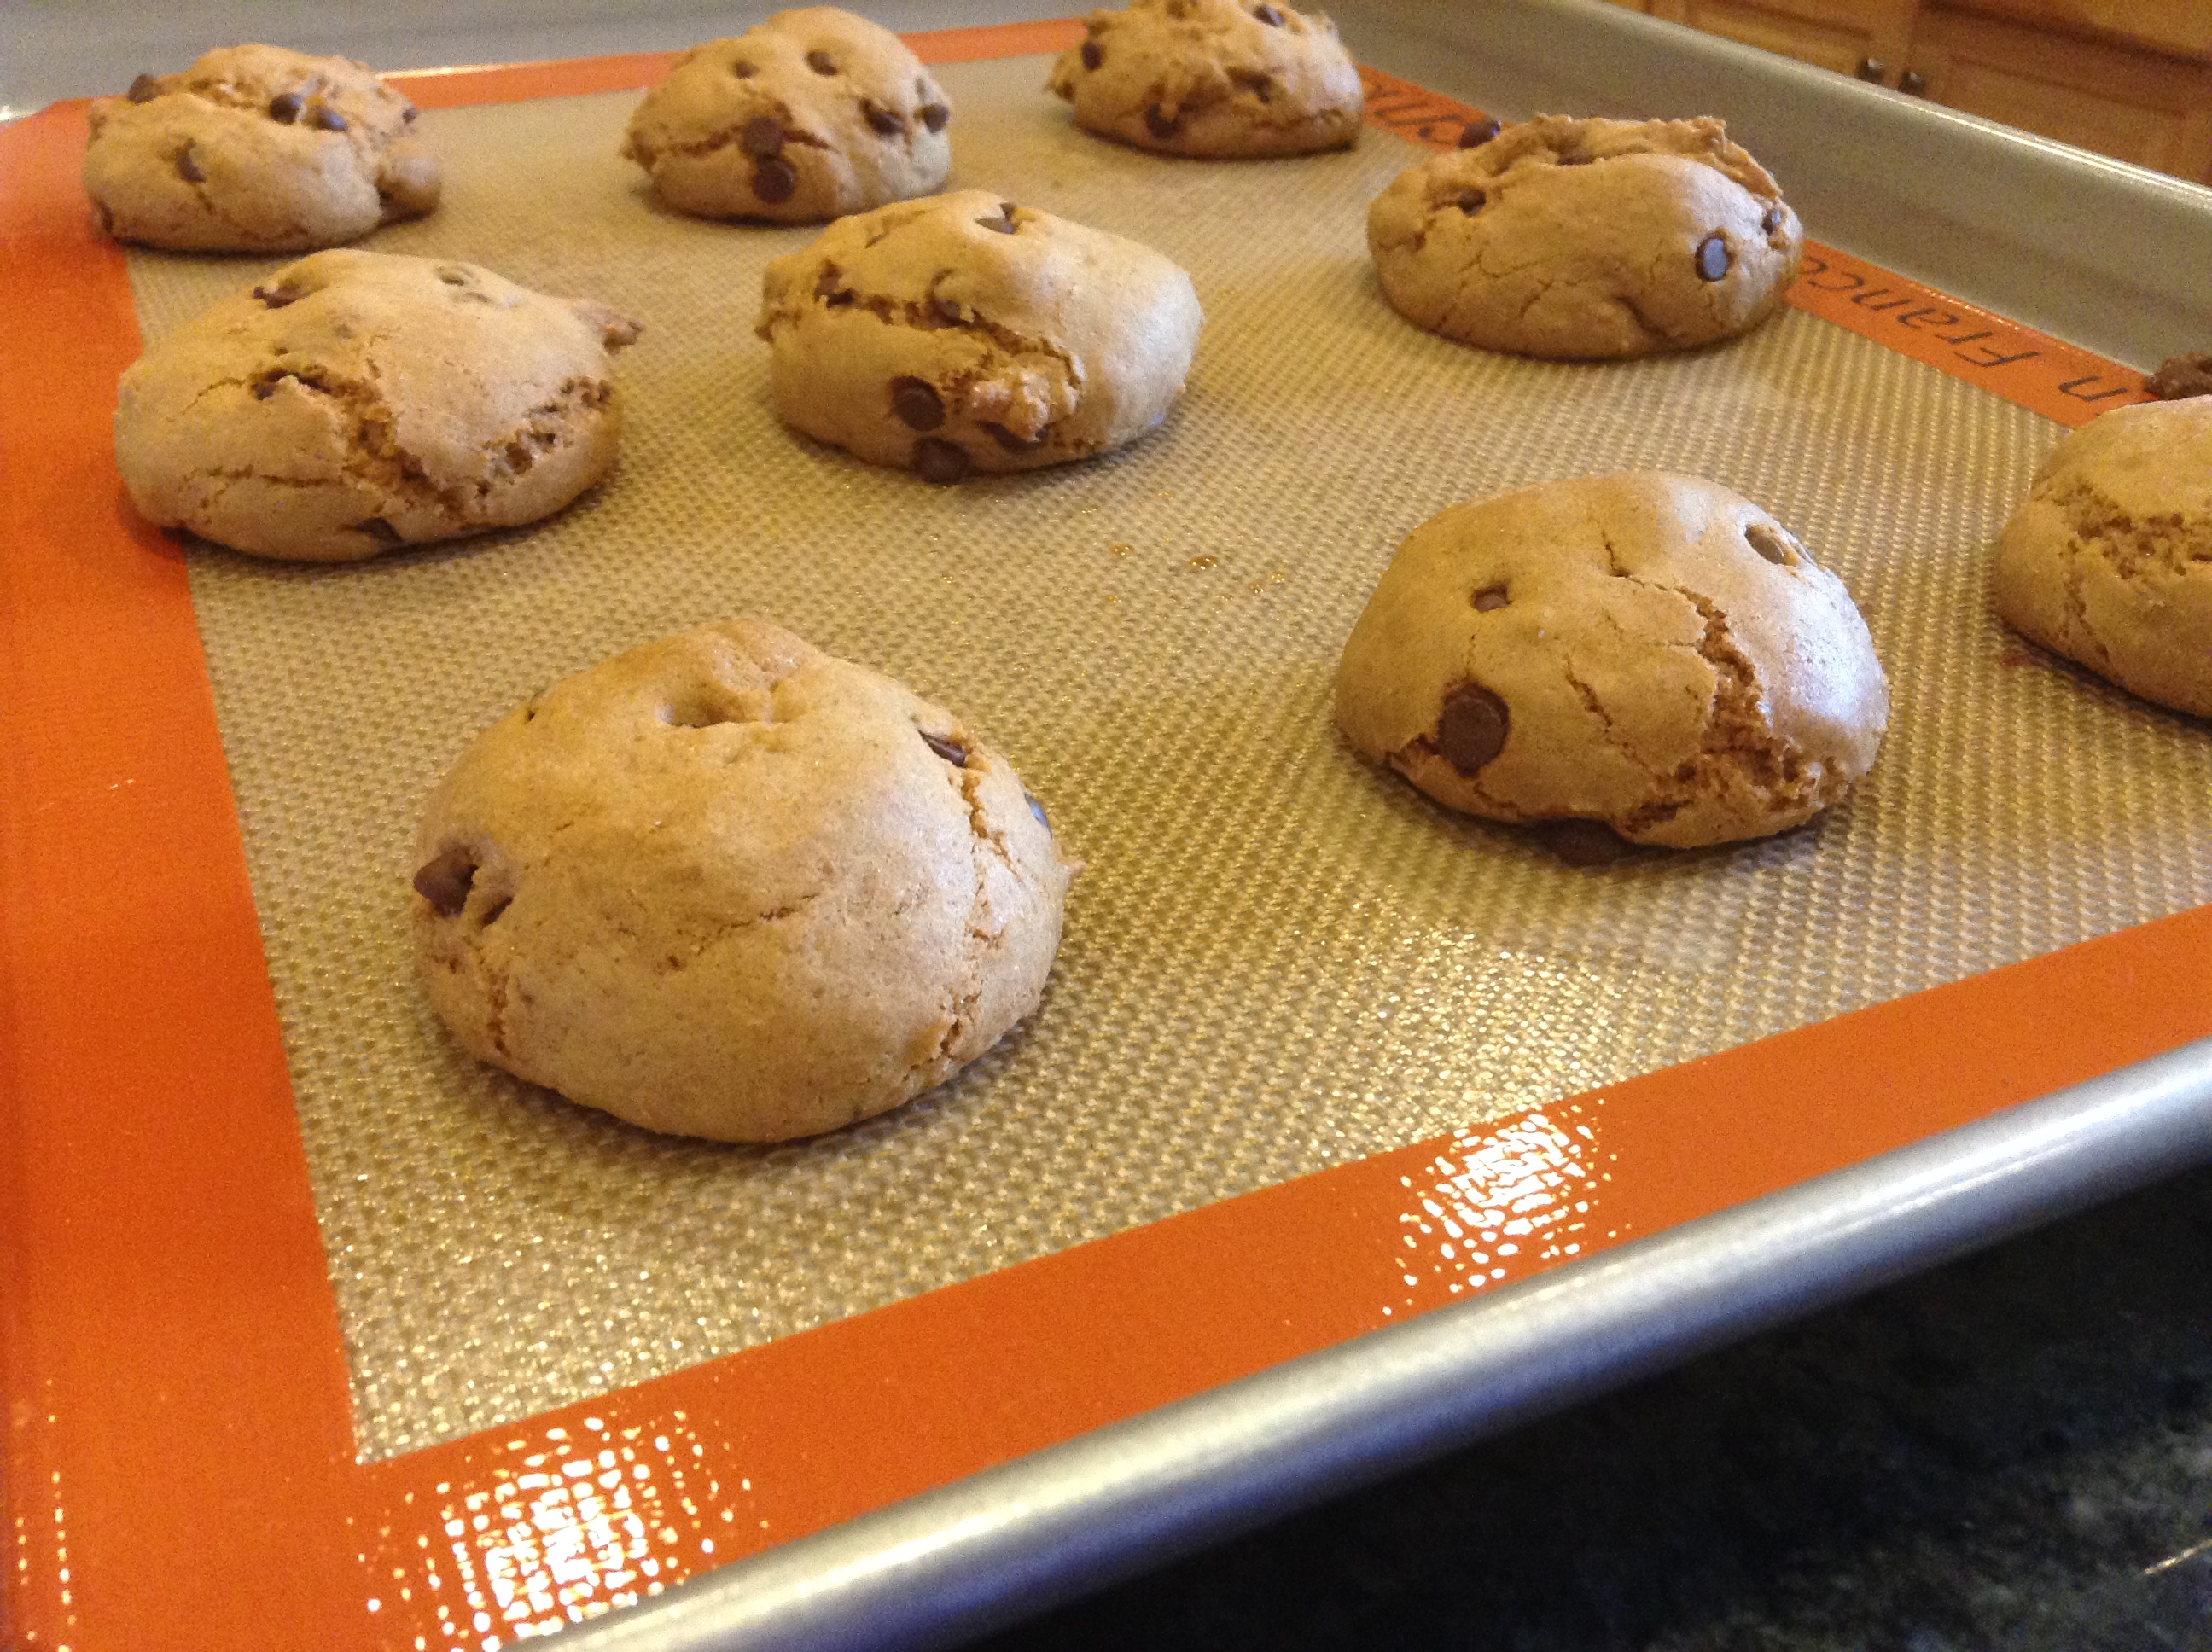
(1279, 959)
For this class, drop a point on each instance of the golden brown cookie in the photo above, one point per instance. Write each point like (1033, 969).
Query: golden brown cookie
(356, 401)
(257, 150)
(1216, 78)
(2109, 562)
(727, 885)
(1587, 239)
(812, 114)
(966, 333)
(1647, 651)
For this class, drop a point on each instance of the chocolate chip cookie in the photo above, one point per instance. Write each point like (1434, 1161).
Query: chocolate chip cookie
(812, 114)
(356, 401)
(968, 333)
(1646, 650)
(1587, 239)
(257, 150)
(2109, 562)
(727, 885)
(1214, 78)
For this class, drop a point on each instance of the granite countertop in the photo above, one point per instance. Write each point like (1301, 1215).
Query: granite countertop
(2014, 1451)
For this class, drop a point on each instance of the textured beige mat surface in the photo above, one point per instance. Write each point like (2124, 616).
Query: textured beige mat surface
(1279, 958)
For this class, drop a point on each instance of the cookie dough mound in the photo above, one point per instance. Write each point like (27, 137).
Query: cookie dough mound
(1647, 651)
(1213, 78)
(356, 401)
(966, 333)
(725, 885)
(811, 115)
(1587, 239)
(257, 150)
(2110, 560)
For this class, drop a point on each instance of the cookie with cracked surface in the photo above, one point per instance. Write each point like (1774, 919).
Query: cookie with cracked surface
(966, 333)
(1582, 239)
(809, 116)
(1646, 650)
(727, 885)
(1213, 78)
(356, 402)
(2109, 562)
(257, 150)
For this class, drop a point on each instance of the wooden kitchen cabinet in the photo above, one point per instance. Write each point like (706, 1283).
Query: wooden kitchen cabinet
(2127, 78)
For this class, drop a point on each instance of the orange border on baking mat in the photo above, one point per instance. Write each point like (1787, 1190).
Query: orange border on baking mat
(179, 1457)
(2046, 375)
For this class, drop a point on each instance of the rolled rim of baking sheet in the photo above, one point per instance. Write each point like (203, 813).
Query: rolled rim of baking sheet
(1013, 1541)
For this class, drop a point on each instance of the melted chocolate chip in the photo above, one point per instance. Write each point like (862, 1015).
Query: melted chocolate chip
(1771, 543)
(1092, 54)
(1159, 124)
(775, 179)
(1004, 223)
(1585, 842)
(830, 287)
(1773, 218)
(1268, 16)
(742, 69)
(264, 388)
(285, 107)
(444, 882)
(1476, 133)
(1712, 258)
(940, 463)
(1012, 443)
(886, 122)
(1471, 727)
(1489, 600)
(762, 136)
(947, 310)
(380, 529)
(145, 89)
(1472, 203)
(917, 404)
(821, 63)
(934, 115)
(188, 167)
(325, 118)
(2181, 377)
(1036, 808)
(951, 750)
(276, 297)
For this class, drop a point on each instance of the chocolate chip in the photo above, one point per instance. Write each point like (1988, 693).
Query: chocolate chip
(1012, 443)
(947, 310)
(951, 750)
(1472, 203)
(1585, 842)
(408, 119)
(940, 463)
(762, 137)
(1476, 133)
(885, 121)
(188, 167)
(285, 107)
(1490, 599)
(1036, 808)
(1159, 124)
(444, 882)
(1004, 223)
(1773, 218)
(145, 89)
(276, 297)
(2181, 377)
(934, 115)
(742, 69)
(1092, 57)
(325, 118)
(830, 287)
(917, 404)
(821, 63)
(774, 178)
(1771, 543)
(264, 388)
(1712, 258)
(1471, 727)
(380, 529)
(1268, 16)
